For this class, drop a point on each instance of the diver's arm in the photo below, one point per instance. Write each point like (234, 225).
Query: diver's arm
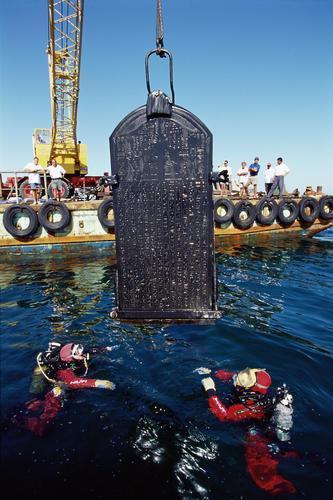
(69, 378)
(216, 406)
(235, 413)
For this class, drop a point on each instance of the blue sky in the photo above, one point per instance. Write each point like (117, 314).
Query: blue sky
(258, 73)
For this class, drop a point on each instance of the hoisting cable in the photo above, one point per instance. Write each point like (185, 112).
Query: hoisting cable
(159, 30)
(42, 371)
(160, 51)
(85, 365)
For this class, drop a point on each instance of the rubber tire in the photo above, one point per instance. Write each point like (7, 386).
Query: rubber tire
(54, 226)
(294, 213)
(230, 208)
(251, 211)
(266, 220)
(9, 214)
(303, 204)
(102, 213)
(322, 202)
(64, 193)
(24, 189)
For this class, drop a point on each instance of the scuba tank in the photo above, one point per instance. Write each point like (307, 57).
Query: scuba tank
(38, 381)
(44, 368)
(283, 413)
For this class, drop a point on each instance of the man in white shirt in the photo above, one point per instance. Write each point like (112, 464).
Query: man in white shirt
(34, 177)
(281, 170)
(57, 172)
(269, 175)
(243, 175)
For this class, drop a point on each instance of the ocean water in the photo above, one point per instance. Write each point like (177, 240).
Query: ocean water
(154, 436)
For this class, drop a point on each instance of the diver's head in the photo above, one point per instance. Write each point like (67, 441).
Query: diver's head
(253, 379)
(72, 352)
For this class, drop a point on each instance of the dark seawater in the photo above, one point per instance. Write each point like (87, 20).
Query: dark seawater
(154, 437)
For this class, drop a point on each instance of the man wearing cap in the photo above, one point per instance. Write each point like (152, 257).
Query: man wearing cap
(64, 366)
(253, 176)
(251, 404)
(269, 175)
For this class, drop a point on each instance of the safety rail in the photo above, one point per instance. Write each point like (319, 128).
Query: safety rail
(15, 187)
(79, 191)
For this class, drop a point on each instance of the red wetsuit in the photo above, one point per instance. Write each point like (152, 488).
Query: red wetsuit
(236, 412)
(52, 402)
(68, 377)
(68, 360)
(261, 465)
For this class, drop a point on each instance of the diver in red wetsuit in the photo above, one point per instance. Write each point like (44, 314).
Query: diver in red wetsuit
(252, 403)
(65, 367)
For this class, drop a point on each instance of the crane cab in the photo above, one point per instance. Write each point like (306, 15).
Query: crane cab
(65, 154)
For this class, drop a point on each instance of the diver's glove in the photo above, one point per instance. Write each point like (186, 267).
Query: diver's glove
(202, 371)
(208, 384)
(105, 384)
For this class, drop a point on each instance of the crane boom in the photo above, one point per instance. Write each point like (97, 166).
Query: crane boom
(65, 20)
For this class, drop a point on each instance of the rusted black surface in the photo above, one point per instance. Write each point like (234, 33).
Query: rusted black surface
(164, 217)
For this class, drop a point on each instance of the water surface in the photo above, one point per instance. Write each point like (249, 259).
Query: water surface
(154, 436)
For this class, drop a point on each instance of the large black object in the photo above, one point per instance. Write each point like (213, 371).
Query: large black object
(161, 157)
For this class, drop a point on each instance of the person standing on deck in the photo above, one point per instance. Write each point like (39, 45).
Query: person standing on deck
(57, 172)
(224, 177)
(243, 176)
(269, 177)
(253, 176)
(34, 178)
(281, 170)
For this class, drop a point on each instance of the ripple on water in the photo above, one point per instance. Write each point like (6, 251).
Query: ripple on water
(156, 428)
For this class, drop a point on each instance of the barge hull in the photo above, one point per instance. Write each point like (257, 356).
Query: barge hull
(86, 234)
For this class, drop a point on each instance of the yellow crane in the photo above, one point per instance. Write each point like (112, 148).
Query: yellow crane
(65, 19)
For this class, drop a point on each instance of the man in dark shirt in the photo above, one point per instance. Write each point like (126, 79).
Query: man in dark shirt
(253, 176)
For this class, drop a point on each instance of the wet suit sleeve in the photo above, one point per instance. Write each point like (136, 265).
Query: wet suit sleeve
(69, 378)
(233, 413)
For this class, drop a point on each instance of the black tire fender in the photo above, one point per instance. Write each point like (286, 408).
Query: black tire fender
(229, 209)
(293, 208)
(64, 193)
(249, 209)
(326, 207)
(266, 220)
(103, 211)
(11, 228)
(304, 204)
(52, 206)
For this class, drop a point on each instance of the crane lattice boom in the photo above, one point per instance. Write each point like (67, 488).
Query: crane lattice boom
(64, 54)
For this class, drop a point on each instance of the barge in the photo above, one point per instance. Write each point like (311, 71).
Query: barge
(37, 229)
